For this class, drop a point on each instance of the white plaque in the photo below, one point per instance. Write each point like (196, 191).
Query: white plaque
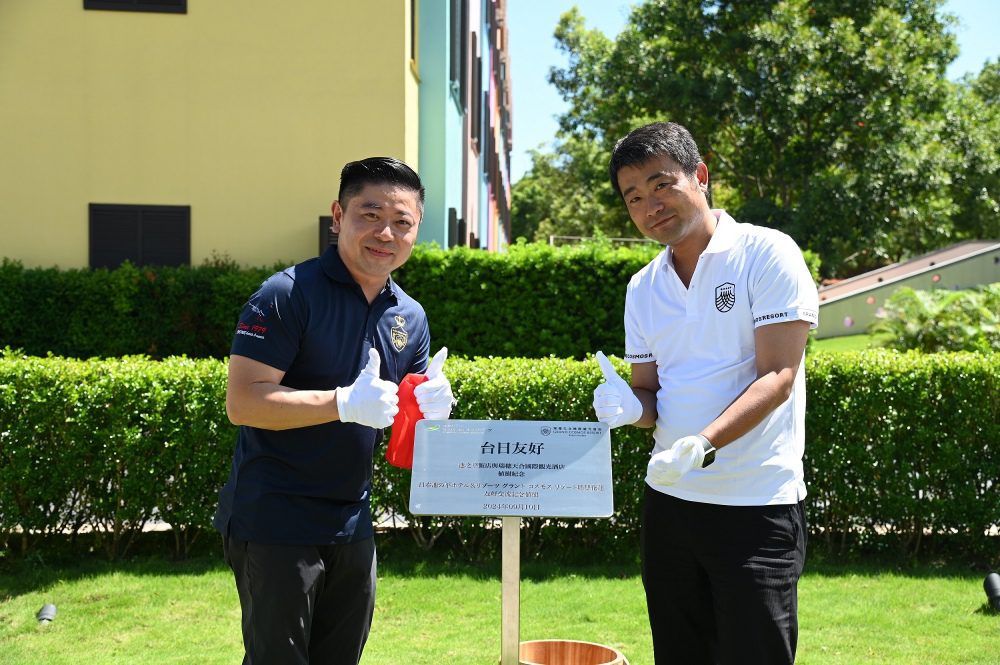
(522, 468)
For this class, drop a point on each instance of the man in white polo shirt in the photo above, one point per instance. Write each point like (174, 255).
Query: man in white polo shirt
(715, 330)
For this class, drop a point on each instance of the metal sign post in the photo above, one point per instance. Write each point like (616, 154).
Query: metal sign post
(511, 469)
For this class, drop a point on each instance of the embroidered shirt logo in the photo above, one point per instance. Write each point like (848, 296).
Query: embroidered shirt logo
(725, 297)
(399, 334)
(250, 328)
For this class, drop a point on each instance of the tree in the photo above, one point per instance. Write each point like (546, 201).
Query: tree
(567, 194)
(829, 119)
(974, 124)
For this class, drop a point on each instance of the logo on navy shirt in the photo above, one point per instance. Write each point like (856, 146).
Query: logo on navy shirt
(256, 331)
(251, 329)
(399, 334)
(725, 297)
(257, 310)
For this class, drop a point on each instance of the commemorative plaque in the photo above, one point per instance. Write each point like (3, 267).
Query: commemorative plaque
(512, 468)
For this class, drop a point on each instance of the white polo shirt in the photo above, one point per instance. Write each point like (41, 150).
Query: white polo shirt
(702, 339)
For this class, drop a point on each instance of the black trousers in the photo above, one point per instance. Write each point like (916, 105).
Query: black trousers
(721, 581)
(302, 604)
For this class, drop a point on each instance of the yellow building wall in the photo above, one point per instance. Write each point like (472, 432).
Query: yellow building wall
(411, 89)
(243, 109)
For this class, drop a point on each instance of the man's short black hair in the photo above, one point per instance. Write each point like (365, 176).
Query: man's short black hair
(355, 176)
(654, 140)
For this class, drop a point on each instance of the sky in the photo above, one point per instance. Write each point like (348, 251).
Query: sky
(533, 53)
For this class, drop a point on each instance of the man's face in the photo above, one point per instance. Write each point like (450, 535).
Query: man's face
(664, 203)
(377, 229)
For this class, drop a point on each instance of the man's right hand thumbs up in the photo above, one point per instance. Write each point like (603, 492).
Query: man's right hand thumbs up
(614, 401)
(369, 400)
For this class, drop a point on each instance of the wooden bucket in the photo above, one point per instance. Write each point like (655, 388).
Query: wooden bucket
(569, 652)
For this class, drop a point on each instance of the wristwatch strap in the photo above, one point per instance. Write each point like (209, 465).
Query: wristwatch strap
(709, 451)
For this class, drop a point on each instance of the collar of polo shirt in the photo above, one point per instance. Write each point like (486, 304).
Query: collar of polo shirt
(722, 239)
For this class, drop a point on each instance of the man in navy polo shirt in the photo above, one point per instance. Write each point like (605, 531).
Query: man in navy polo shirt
(316, 361)
(715, 330)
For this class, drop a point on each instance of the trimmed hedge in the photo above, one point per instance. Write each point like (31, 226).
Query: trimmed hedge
(904, 444)
(898, 445)
(531, 302)
(110, 445)
(158, 312)
(534, 301)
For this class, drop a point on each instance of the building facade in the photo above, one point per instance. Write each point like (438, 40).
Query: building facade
(850, 306)
(177, 131)
(465, 122)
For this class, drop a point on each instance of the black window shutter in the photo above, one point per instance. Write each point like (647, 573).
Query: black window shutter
(114, 235)
(165, 6)
(452, 227)
(144, 235)
(166, 236)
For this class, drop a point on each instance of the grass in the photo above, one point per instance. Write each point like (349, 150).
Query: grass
(149, 611)
(850, 343)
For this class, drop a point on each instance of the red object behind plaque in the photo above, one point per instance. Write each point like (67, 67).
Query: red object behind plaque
(400, 450)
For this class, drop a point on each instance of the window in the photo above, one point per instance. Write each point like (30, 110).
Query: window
(475, 106)
(166, 6)
(457, 230)
(143, 234)
(414, 31)
(458, 47)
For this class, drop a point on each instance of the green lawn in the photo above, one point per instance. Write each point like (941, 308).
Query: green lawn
(153, 611)
(850, 343)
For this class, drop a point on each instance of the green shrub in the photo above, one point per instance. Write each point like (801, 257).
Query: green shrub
(159, 312)
(941, 320)
(899, 445)
(109, 445)
(533, 301)
(902, 444)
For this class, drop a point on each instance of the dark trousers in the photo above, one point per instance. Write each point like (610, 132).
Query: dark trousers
(304, 604)
(721, 581)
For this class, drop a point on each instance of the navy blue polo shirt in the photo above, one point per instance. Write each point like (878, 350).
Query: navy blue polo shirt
(312, 485)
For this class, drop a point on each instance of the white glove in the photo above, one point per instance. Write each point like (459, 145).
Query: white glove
(434, 395)
(667, 466)
(614, 401)
(369, 400)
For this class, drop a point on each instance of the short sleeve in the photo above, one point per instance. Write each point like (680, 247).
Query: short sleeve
(636, 348)
(781, 287)
(422, 357)
(270, 326)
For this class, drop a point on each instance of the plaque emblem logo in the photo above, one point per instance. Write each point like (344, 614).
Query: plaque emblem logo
(725, 297)
(398, 333)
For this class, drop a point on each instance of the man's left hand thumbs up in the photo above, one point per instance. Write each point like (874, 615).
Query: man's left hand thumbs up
(434, 395)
